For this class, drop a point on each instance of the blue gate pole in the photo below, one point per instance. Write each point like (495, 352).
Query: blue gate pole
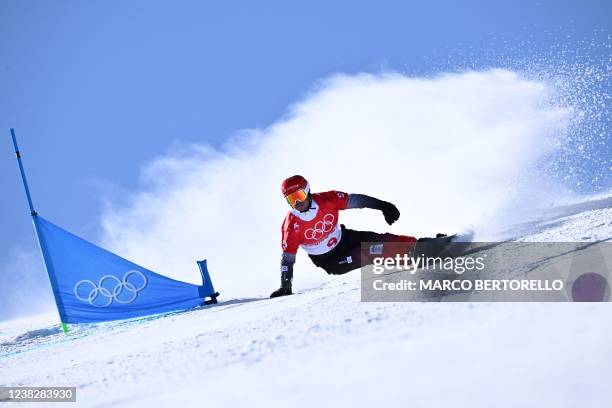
(23, 176)
(33, 213)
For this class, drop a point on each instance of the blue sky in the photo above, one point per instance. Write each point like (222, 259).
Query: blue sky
(94, 89)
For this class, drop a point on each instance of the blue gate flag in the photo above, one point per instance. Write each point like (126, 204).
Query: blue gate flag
(91, 284)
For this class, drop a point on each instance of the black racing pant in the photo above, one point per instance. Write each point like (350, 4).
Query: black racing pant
(348, 254)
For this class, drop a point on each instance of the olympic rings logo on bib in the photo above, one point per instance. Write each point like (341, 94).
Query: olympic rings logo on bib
(122, 292)
(320, 228)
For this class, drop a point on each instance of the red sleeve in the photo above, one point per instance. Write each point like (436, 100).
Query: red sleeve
(290, 238)
(339, 198)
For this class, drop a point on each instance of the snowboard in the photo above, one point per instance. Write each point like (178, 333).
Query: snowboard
(453, 245)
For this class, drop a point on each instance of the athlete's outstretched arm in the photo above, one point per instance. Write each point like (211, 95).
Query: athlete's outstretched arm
(389, 210)
(287, 261)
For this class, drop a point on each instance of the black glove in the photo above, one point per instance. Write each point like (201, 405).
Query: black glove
(285, 289)
(281, 292)
(390, 212)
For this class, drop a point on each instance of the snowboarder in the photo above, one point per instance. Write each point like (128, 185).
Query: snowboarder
(312, 223)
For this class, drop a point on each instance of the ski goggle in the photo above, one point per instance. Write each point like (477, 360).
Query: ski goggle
(296, 196)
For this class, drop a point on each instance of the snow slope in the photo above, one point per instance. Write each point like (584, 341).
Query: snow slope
(325, 347)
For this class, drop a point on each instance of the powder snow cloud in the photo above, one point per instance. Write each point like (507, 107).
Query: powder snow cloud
(452, 152)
